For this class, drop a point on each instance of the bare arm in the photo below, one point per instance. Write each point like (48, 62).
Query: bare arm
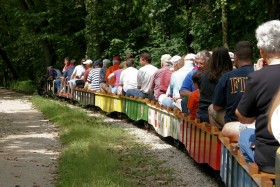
(184, 93)
(244, 119)
(217, 108)
(274, 104)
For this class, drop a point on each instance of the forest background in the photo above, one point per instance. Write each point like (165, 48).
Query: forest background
(39, 33)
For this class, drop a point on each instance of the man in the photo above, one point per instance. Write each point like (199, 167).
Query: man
(144, 76)
(155, 82)
(128, 78)
(116, 62)
(78, 74)
(67, 75)
(258, 145)
(102, 81)
(231, 87)
(202, 59)
(94, 76)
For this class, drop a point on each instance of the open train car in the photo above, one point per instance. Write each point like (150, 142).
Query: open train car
(204, 143)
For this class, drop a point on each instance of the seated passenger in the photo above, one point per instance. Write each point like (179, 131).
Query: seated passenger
(67, 75)
(94, 76)
(177, 78)
(105, 87)
(144, 76)
(201, 60)
(231, 87)
(155, 82)
(78, 74)
(116, 75)
(106, 64)
(128, 78)
(194, 96)
(259, 145)
(220, 64)
(172, 93)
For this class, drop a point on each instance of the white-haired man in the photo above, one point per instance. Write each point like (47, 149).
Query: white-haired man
(258, 145)
(154, 91)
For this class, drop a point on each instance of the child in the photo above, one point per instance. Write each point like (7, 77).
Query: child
(194, 96)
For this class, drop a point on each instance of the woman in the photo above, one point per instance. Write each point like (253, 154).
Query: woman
(220, 63)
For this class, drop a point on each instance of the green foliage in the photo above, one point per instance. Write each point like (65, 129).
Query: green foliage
(35, 34)
(25, 86)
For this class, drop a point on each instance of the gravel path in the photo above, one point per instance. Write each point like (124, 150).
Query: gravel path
(29, 148)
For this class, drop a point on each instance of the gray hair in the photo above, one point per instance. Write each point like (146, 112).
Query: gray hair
(204, 54)
(268, 36)
(165, 59)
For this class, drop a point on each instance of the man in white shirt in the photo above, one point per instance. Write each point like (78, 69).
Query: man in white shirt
(128, 78)
(144, 76)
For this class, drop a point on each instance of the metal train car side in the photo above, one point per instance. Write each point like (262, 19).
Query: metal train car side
(204, 143)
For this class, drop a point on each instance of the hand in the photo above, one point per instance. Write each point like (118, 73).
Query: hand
(260, 64)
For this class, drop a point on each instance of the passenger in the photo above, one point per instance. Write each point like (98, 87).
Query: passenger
(128, 78)
(116, 63)
(166, 76)
(58, 81)
(231, 55)
(78, 74)
(67, 64)
(172, 93)
(88, 68)
(129, 56)
(94, 76)
(220, 64)
(53, 77)
(144, 76)
(230, 88)
(194, 96)
(258, 145)
(201, 60)
(260, 64)
(116, 75)
(154, 91)
(52, 74)
(106, 64)
(67, 75)
(274, 117)
(177, 78)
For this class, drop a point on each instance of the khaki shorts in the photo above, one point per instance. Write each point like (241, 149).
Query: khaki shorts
(218, 116)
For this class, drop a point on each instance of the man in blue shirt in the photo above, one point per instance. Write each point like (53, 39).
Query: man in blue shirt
(202, 58)
(231, 87)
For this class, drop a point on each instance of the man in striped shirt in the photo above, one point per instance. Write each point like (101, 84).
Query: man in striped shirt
(94, 75)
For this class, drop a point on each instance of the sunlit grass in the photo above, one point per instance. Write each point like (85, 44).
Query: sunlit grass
(95, 153)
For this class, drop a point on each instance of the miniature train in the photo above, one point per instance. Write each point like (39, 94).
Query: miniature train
(204, 143)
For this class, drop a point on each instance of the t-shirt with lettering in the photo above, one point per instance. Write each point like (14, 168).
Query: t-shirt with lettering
(230, 89)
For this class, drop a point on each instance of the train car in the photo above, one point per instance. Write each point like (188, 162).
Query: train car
(204, 143)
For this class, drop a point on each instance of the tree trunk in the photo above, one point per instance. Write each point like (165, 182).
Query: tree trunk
(274, 9)
(8, 63)
(50, 55)
(224, 22)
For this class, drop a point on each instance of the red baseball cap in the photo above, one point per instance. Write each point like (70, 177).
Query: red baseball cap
(117, 58)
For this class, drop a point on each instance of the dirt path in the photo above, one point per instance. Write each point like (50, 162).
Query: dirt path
(29, 146)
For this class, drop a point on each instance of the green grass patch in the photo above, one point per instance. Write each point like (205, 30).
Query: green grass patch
(24, 86)
(98, 154)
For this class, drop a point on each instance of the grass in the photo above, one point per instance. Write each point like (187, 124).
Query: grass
(98, 154)
(24, 86)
